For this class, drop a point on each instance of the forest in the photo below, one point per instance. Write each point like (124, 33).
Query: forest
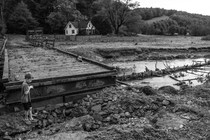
(122, 17)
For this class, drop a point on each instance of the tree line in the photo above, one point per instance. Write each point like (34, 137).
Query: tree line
(108, 16)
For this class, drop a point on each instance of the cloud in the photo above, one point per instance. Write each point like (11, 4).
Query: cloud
(191, 6)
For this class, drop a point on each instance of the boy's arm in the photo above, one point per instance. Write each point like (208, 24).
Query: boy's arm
(26, 89)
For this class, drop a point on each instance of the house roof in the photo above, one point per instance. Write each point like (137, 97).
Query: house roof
(79, 24)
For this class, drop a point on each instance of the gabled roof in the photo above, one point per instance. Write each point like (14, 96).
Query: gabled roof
(79, 24)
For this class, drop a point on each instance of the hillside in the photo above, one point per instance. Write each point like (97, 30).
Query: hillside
(160, 21)
(157, 19)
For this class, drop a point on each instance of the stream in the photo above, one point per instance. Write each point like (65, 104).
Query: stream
(191, 77)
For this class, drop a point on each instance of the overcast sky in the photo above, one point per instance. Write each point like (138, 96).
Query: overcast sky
(190, 6)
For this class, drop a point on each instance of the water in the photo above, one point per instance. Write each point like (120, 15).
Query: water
(139, 66)
(197, 76)
(155, 82)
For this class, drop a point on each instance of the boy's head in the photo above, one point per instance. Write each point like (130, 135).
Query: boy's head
(28, 77)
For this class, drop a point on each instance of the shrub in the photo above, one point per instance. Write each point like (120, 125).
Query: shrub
(206, 37)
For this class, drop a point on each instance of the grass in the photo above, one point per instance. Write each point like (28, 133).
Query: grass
(157, 19)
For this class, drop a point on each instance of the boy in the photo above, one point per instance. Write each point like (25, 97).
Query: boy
(26, 97)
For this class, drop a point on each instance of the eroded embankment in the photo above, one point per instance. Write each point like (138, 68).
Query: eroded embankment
(138, 54)
(121, 113)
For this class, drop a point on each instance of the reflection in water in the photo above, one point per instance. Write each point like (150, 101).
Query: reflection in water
(161, 64)
(191, 77)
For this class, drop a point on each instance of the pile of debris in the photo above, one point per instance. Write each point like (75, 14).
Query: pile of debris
(113, 113)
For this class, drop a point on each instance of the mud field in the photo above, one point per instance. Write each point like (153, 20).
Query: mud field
(123, 112)
(109, 49)
(45, 63)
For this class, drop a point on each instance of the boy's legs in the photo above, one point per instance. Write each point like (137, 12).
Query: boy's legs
(30, 114)
(26, 115)
(26, 110)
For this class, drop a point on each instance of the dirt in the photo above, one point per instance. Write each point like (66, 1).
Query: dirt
(109, 49)
(120, 113)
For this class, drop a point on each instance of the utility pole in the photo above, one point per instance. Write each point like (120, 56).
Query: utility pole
(2, 17)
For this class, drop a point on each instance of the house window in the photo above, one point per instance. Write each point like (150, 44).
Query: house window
(69, 25)
(66, 31)
(72, 31)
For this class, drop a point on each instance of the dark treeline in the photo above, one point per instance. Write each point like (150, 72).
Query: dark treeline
(109, 16)
(176, 22)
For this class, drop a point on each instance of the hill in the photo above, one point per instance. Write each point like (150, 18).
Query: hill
(161, 21)
(156, 19)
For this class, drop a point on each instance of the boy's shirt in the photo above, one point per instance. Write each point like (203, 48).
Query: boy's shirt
(25, 97)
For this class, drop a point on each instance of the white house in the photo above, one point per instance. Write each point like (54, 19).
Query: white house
(70, 29)
(79, 27)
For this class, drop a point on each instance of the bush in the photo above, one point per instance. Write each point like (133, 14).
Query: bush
(206, 37)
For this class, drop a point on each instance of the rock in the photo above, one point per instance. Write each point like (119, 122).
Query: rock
(58, 111)
(165, 102)
(68, 112)
(85, 111)
(44, 123)
(96, 108)
(107, 119)
(168, 90)
(79, 123)
(16, 109)
(44, 111)
(127, 114)
(148, 90)
(54, 114)
(87, 127)
(7, 124)
(114, 119)
(7, 138)
(97, 117)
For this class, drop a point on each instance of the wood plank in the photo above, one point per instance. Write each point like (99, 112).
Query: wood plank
(3, 47)
(55, 80)
(5, 76)
(37, 99)
(86, 59)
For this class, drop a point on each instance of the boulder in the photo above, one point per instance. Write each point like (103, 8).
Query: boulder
(148, 90)
(80, 123)
(7, 138)
(96, 108)
(16, 109)
(168, 90)
(166, 102)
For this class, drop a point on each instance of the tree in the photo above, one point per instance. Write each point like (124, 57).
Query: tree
(56, 21)
(87, 7)
(68, 9)
(172, 29)
(117, 12)
(101, 25)
(134, 23)
(21, 19)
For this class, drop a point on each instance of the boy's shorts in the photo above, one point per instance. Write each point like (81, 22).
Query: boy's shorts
(27, 106)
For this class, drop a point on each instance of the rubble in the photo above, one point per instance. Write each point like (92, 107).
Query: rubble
(168, 90)
(114, 112)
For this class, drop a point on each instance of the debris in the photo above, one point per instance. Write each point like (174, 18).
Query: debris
(168, 90)
(148, 90)
(96, 108)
